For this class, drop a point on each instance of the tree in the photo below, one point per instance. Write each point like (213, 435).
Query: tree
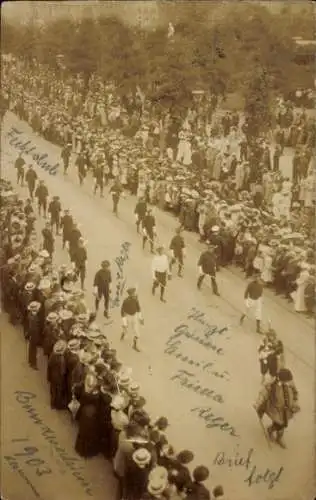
(258, 102)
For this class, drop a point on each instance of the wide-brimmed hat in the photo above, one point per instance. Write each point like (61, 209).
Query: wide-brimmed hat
(133, 388)
(65, 314)
(29, 286)
(74, 345)
(34, 306)
(141, 457)
(123, 380)
(85, 357)
(51, 317)
(60, 347)
(156, 486)
(117, 402)
(83, 318)
(131, 290)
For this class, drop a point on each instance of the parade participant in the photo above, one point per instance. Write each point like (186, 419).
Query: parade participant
(66, 224)
(65, 156)
(33, 333)
(309, 293)
(207, 266)
(140, 212)
(149, 229)
(98, 173)
(271, 354)
(19, 165)
(177, 247)
(31, 178)
(253, 300)
(41, 194)
(116, 192)
(48, 239)
(56, 376)
(54, 209)
(73, 241)
(81, 166)
(80, 258)
(160, 268)
(102, 286)
(28, 209)
(131, 316)
(279, 401)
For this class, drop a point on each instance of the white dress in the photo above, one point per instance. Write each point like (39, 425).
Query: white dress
(298, 296)
(267, 269)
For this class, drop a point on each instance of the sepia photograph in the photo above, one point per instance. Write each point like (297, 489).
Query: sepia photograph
(157, 250)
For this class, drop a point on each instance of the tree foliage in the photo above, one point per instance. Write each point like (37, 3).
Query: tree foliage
(241, 48)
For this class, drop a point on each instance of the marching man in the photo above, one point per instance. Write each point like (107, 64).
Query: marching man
(271, 355)
(177, 247)
(149, 229)
(102, 286)
(253, 300)
(279, 401)
(140, 212)
(207, 266)
(131, 317)
(160, 268)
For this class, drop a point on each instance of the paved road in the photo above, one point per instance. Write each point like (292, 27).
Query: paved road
(227, 367)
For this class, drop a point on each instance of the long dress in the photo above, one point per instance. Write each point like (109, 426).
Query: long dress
(88, 443)
(299, 294)
(267, 269)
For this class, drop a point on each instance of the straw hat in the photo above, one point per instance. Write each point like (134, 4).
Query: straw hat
(29, 286)
(141, 457)
(157, 486)
(44, 284)
(44, 254)
(117, 402)
(51, 317)
(64, 314)
(34, 306)
(84, 357)
(74, 345)
(60, 347)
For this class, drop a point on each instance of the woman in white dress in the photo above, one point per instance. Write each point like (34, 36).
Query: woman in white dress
(299, 294)
(266, 275)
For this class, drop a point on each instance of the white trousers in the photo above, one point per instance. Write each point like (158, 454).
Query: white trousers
(255, 306)
(131, 324)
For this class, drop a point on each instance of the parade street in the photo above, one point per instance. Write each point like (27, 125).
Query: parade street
(197, 365)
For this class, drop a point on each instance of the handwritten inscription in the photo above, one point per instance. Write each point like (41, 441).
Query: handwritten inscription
(74, 464)
(268, 477)
(14, 465)
(28, 148)
(206, 335)
(120, 262)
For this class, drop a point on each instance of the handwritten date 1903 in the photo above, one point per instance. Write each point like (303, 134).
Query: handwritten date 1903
(29, 452)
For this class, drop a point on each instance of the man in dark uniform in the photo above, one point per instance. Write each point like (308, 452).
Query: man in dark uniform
(177, 246)
(131, 316)
(207, 265)
(19, 165)
(149, 226)
(54, 210)
(99, 177)
(81, 165)
(65, 155)
(48, 239)
(102, 286)
(140, 212)
(80, 259)
(216, 241)
(41, 194)
(74, 236)
(66, 223)
(31, 178)
(33, 333)
(116, 191)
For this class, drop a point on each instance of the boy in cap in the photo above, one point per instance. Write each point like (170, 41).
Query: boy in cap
(253, 300)
(31, 178)
(149, 229)
(19, 165)
(102, 286)
(207, 266)
(177, 246)
(54, 209)
(131, 316)
(48, 239)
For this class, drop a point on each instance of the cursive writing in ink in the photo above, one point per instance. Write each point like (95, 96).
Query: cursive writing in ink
(212, 420)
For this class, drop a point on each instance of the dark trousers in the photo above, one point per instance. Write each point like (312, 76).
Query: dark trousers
(55, 221)
(149, 237)
(31, 188)
(32, 354)
(20, 177)
(106, 296)
(179, 258)
(213, 282)
(160, 280)
(42, 204)
(115, 200)
(81, 272)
